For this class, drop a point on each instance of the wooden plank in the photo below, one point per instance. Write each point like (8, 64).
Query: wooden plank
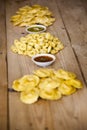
(74, 16)
(67, 113)
(84, 3)
(3, 69)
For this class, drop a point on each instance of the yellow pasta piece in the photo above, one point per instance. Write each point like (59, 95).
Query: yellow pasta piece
(26, 82)
(14, 49)
(50, 95)
(31, 80)
(43, 72)
(66, 89)
(74, 82)
(17, 86)
(30, 97)
(65, 74)
(48, 84)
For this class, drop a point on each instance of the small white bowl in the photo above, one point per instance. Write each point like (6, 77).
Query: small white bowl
(43, 59)
(36, 29)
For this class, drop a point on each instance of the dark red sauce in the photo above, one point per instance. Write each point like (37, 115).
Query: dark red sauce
(43, 59)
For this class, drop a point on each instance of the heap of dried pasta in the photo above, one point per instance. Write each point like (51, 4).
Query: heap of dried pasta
(38, 43)
(29, 15)
(47, 84)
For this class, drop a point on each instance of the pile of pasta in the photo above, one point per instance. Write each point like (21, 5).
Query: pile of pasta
(47, 84)
(38, 43)
(29, 15)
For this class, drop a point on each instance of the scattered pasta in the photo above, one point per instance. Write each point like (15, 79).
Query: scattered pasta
(29, 15)
(33, 44)
(47, 84)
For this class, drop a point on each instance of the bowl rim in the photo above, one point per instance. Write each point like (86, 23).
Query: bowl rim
(37, 55)
(36, 25)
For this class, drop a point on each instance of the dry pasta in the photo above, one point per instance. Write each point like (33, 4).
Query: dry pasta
(29, 15)
(33, 44)
(47, 84)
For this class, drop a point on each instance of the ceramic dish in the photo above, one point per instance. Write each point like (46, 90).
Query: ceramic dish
(43, 59)
(36, 29)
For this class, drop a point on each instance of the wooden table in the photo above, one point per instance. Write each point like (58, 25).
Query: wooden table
(69, 113)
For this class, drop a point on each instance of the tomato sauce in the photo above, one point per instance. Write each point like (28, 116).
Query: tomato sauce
(43, 58)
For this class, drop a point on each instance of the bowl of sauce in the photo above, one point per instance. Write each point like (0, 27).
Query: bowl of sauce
(43, 59)
(36, 29)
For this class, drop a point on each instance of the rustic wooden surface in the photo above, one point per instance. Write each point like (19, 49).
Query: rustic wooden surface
(69, 113)
(3, 70)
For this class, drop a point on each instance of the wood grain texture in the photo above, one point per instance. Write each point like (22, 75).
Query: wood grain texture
(69, 113)
(3, 70)
(74, 16)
